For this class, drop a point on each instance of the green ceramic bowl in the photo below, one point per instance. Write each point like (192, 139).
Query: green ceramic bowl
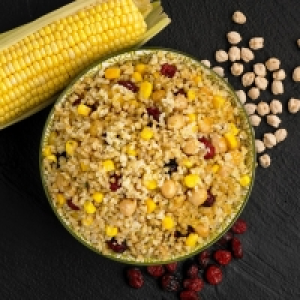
(134, 54)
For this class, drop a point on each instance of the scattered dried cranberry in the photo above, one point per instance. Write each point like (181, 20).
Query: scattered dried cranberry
(156, 271)
(178, 234)
(223, 257)
(129, 85)
(189, 295)
(72, 205)
(193, 284)
(209, 202)
(114, 186)
(168, 70)
(154, 112)
(211, 151)
(180, 91)
(227, 237)
(203, 258)
(116, 247)
(192, 271)
(214, 275)
(239, 227)
(76, 102)
(171, 267)
(236, 248)
(170, 283)
(135, 278)
(171, 166)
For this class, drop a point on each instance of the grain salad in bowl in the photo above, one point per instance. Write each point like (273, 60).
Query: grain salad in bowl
(148, 157)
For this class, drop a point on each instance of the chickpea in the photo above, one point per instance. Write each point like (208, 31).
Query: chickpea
(158, 95)
(204, 125)
(239, 18)
(96, 128)
(224, 171)
(128, 207)
(169, 189)
(219, 143)
(181, 102)
(191, 147)
(198, 197)
(176, 121)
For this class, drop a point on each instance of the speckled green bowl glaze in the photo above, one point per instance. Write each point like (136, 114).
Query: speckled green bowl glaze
(134, 54)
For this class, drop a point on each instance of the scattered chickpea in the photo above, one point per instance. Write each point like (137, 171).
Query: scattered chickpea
(250, 108)
(263, 108)
(294, 105)
(237, 69)
(180, 102)
(234, 53)
(191, 147)
(198, 197)
(233, 37)
(265, 160)
(242, 96)
(261, 83)
(273, 64)
(260, 69)
(219, 71)
(247, 55)
(259, 146)
(279, 75)
(296, 74)
(269, 140)
(255, 120)
(277, 87)
(176, 121)
(221, 56)
(273, 120)
(206, 62)
(128, 207)
(248, 78)
(254, 93)
(281, 135)
(239, 18)
(256, 43)
(298, 43)
(276, 107)
(219, 143)
(169, 189)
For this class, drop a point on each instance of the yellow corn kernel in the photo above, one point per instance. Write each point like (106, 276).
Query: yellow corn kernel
(98, 197)
(198, 79)
(88, 221)
(134, 103)
(52, 137)
(195, 128)
(191, 95)
(89, 207)
(130, 151)
(233, 129)
(205, 125)
(191, 180)
(83, 110)
(187, 163)
(60, 200)
(168, 223)
(47, 151)
(84, 167)
(231, 140)
(147, 134)
(137, 76)
(112, 73)
(71, 147)
(145, 90)
(151, 205)
(156, 75)
(215, 168)
(111, 231)
(192, 239)
(108, 165)
(150, 184)
(141, 68)
(192, 117)
(245, 180)
(218, 101)
(52, 158)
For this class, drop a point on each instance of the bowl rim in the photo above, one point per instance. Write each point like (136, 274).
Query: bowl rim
(119, 257)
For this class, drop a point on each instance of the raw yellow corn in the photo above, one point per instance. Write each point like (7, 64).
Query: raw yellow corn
(47, 151)
(37, 60)
(191, 180)
(151, 205)
(83, 110)
(215, 168)
(71, 147)
(137, 76)
(192, 239)
(187, 163)
(245, 180)
(218, 101)
(231, 140)
(112, 73)
(111, 231)
(191, 95)
(233, 129)
(131, 151)
(145, 90)
(52, 138)
(192, 117)
(88, 221)
(98, 197)
(60, 200)
(147, 134)
(168, 223)
(52, 158)
(108, 165)
(140, 68)
(84, 167)
(89, 207)
(151, 184)
(197, 79)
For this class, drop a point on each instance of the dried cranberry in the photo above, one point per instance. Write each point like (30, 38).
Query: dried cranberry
(227, 237)
(210, 200)
(135, 278)
(129, 85)
(72, 205)
(189, 295)
(192, 271)
(236, 248)
(214, 275)
(223, 257)
(154, 112)
(190, 229)
(171, 267)
(211, 151)
(180, 92)
(203, 258)
(114, 186)
(172, 166)
(178, 234)
(156, 271)
(239, 227)
(193, 284)
(170, 283)
(168, 70)
(116, 247)
(77, 102)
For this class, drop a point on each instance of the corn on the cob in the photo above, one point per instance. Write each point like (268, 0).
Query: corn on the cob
(37, 60)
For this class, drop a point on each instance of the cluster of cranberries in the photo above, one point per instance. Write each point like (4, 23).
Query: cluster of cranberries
(205, 267)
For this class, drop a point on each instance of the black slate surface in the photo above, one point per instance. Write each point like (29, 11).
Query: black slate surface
(40, 260)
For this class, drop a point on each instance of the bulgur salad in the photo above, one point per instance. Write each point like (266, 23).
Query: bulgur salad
(148, 156)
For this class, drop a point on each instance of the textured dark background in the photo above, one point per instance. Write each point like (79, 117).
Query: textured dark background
(40, 260)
